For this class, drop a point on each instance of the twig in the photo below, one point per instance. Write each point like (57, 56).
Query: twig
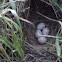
(47, 17)
(32, 49)
(46, 2)
(51, 4)
(55, 11)
(58, 60)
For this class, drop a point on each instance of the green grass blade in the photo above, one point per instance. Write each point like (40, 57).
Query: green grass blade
(55, 54)
(18, 21)
(20, 31)
(17, 45)
(57, 44)
(6, 42)
(1, 32)
(4, 1)
(8, 19)
(14, 8)
(3, 56)
(55, 3)
(58, 47)
(6, 59)
(50, 36)
(13, 5)
(5, 26)
(4, 52)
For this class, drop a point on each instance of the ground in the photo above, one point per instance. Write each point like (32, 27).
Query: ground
(34, 52)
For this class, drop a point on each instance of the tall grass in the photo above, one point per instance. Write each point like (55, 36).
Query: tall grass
(16, 44)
